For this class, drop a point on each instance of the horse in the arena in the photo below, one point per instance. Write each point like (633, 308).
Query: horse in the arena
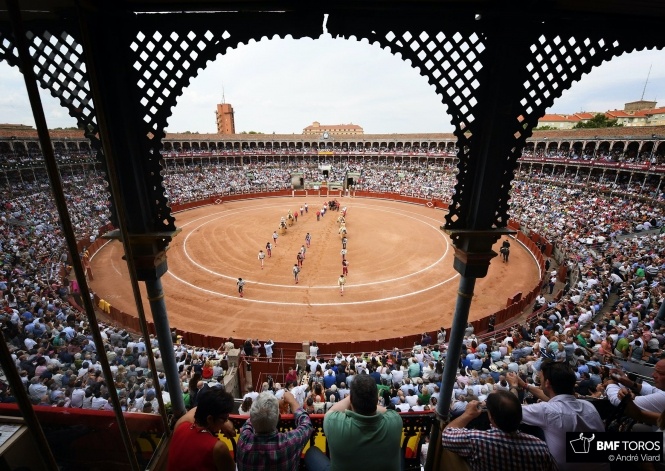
(343, 232)
(505, 253)
(341, 221)
(289, 219)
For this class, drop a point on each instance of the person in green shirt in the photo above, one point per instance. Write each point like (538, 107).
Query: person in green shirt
(414, 368)
(424, 396)
(436, 354)
(361, 434)
(581, 341)
(621, 348)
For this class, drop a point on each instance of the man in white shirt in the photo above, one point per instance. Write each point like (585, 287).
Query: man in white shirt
(279, 391)
(313, 363)
(402, 406)
(29, 342)
(411, 398)
(647, 398)
(398, 376)
(543, 342)
(597, 334)
(250, 393)
(585, 317)
(299, 392)
(559, 411)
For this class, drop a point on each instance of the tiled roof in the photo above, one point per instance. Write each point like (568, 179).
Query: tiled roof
(635, 114)
(570, 118)
(653, 111)
(621, 114)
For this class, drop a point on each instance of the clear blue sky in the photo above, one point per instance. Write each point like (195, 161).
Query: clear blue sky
(283, 85)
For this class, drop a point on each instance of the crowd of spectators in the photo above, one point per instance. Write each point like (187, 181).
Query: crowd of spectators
(216, 180)
(22, 158)
(246, 150)
(591, 154)
(200, 181)
(606, 310)
(418, 179)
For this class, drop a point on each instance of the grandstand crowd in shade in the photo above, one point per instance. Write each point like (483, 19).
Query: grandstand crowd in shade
(606, 309)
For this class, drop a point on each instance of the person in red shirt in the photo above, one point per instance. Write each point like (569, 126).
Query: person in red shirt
(195, 444)
(291, 376)
(207, 370)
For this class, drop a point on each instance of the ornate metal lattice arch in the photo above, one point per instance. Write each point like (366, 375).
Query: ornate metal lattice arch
(164, 56)
(464, 63)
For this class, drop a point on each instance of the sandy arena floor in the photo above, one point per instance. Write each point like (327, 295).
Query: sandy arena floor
(401, 278)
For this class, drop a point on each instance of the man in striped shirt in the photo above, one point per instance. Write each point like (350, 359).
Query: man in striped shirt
(503, 446)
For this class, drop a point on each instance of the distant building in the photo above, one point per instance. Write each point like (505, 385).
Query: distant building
(634, 113)
(564, 121)
(225, 120)
(326, 130)
(639, 105)
(651, 116)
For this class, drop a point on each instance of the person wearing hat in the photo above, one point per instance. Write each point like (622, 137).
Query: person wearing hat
(495, 372)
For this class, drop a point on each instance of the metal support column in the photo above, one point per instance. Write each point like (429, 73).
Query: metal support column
(460, 319)
(163, 332)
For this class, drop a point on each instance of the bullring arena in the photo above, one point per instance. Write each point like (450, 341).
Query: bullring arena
(401, 279)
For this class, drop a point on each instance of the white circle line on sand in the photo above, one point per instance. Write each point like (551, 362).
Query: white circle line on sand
(274, 285)
(281, 303)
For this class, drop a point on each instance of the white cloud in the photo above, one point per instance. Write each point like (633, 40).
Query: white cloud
(283, 85)
(15, 106)
(616, 82)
